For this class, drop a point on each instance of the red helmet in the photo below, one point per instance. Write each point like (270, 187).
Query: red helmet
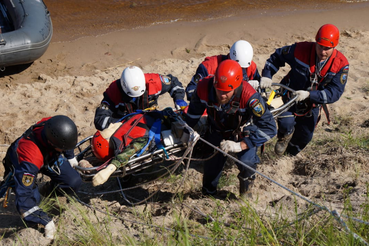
(228, 76)
(328, 36)
(100, 147)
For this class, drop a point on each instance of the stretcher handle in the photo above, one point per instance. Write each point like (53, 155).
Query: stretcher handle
(278, 111)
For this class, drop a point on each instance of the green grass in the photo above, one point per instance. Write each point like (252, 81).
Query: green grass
(244, 227)
(226, 180)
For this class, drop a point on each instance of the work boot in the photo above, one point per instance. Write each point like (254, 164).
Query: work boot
(245, 185)
(282, 143)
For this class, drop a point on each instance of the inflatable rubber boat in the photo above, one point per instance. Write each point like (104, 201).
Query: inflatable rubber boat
(26, 31)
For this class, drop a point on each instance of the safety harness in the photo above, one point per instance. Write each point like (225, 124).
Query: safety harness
(316, 78)
(231, 113)
(143, 101)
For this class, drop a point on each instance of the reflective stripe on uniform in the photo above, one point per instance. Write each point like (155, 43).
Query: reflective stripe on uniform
(272, 66)
(105, 122)
(32, 210)
(325, 99)
(176, 88)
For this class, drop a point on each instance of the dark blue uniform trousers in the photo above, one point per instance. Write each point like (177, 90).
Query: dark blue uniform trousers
(213, 167)
(304, 129)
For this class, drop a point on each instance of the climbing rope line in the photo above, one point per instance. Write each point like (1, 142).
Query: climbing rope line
(188, 155)
(334, 213)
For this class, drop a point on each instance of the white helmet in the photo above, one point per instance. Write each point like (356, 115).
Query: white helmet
(242, 52)
(133, 81)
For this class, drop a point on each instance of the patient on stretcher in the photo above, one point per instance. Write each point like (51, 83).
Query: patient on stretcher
(135, 135)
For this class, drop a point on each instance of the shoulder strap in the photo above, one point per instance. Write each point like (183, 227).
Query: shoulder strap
(126, 135)
(235, 103)
(145, 100)
(28, 134)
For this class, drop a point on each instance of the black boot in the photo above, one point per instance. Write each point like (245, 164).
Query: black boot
(245, 186)
(282, 142)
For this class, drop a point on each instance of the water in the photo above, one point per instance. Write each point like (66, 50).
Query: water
(77, 18)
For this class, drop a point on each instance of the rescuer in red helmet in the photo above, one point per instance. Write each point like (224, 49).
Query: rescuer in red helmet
(241, 52)
(231, 102)
(318, 74)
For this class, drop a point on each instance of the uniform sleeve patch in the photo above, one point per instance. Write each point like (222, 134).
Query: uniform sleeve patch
(257, 107)
(286, 50)
(343, 78)
(197, 78)
(344, 75)
(165, 79)
(27, 179)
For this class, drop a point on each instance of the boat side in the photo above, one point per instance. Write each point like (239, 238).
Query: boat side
(32, 34)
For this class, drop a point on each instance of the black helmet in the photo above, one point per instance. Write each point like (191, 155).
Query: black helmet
(61, 132)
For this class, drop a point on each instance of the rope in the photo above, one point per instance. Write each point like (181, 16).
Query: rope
(189, 150)
(334, 213)
(203, 159)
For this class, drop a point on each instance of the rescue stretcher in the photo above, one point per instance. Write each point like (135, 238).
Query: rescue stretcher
(136, 164)
(159, 155)
(171, 145)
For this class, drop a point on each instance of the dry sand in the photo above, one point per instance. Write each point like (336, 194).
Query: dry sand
(71, 76)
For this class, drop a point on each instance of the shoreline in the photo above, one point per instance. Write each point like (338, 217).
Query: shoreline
(286, 10)
(183, 40)
(149, 43)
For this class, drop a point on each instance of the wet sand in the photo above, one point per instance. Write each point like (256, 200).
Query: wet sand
(84, 47)
(74, 19)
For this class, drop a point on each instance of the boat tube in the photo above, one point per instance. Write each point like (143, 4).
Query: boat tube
(26, 31)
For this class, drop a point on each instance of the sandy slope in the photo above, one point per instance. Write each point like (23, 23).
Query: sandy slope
(71, 77)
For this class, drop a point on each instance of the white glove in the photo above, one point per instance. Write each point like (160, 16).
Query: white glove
(102, 176)
(254, 84)
(73, 162)
(230, 146)
(265, 82)
(50, 230)
(302, 95)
